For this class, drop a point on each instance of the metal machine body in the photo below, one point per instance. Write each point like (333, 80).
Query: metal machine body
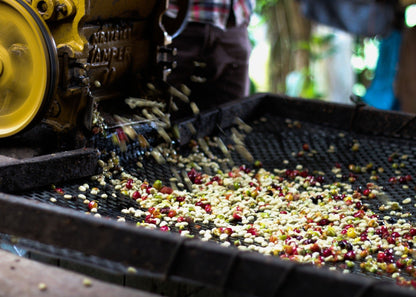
(59, 58)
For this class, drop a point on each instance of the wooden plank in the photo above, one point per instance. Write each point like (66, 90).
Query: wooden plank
(23, 277)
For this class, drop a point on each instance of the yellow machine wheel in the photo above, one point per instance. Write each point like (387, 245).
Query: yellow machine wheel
(28, 67)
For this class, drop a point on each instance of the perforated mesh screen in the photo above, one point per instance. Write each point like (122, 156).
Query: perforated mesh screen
(276, 142)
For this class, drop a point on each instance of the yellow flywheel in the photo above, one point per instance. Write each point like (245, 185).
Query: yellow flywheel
(28, 67)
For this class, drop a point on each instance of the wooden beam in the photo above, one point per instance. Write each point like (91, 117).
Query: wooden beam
(23, 277)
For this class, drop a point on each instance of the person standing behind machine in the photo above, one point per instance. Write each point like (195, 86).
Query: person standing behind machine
(212, 53)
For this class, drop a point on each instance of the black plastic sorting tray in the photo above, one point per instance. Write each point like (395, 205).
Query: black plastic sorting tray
(228, 271)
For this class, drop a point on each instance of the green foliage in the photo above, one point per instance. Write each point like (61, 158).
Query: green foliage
(318, 46)
(363, 69)
(263, 5)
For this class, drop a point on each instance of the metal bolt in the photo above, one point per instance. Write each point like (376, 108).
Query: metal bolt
(42, 6)
(18, 49)
(83, 80)
(62, 9)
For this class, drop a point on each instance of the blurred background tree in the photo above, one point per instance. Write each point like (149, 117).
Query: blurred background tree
(302, 55)
(287, 28)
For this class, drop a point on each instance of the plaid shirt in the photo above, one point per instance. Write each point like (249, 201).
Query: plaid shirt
(218, 12)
